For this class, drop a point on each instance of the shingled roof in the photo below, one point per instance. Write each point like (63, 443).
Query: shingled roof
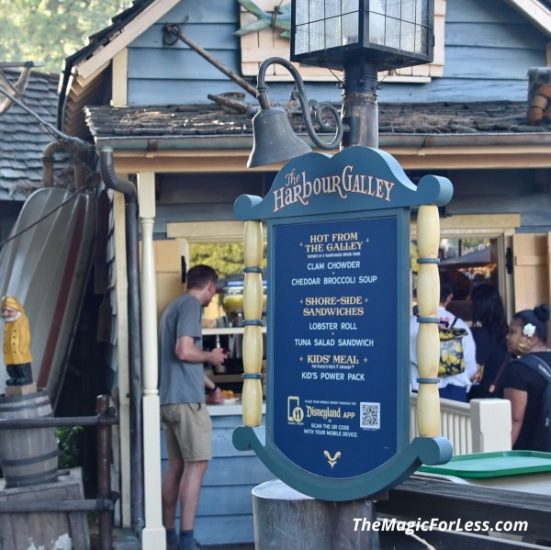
(22, 138)
(411, 118)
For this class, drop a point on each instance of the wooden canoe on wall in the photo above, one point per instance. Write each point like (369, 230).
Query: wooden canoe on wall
(46, 268)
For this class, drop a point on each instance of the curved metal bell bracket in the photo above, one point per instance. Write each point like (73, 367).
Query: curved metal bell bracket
(319, 110)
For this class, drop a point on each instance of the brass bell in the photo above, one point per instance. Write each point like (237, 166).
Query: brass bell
(274, 139)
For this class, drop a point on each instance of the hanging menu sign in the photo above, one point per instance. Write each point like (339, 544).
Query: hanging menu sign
(334, 336)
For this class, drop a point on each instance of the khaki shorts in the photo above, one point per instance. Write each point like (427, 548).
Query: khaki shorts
(188, 429)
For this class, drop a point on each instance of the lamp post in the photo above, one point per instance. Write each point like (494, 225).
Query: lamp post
(320, 208)
(360, 37)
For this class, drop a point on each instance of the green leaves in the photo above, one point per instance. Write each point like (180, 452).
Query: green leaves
(225, 258)
(48, 31)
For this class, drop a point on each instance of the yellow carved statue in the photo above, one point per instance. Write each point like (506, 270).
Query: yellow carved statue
(17, 342)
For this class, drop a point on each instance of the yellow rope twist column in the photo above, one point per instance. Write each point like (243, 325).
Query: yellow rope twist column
(428, 342)
(253, 292)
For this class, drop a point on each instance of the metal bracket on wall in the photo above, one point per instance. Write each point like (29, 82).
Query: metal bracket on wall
(509, 260)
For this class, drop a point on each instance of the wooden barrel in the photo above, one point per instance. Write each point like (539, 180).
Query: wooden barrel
(27, 456)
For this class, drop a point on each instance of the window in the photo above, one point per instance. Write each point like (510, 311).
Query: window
(258, 46)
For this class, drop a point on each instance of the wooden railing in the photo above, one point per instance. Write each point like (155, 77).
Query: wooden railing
(483, 425)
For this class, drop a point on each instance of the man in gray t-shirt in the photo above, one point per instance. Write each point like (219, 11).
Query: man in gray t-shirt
(181, 381)
(184, 414)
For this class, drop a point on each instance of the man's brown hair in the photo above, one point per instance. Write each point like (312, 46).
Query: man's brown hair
(201, 275)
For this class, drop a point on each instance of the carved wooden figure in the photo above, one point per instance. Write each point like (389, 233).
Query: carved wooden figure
(17, 342)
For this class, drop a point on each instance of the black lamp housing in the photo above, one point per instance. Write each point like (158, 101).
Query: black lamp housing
(389, 33)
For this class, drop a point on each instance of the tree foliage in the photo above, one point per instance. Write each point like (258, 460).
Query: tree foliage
(48, 31)
(226, 258)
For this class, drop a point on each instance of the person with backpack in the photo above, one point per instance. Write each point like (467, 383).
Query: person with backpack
(527, 379)
(451, 386)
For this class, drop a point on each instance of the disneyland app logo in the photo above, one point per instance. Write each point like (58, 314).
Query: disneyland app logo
(299, 188)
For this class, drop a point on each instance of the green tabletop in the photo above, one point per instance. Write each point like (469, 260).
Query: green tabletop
(489, 465)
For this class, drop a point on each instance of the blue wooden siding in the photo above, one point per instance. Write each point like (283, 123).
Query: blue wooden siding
(491, 41)
(481, 11)
(224, 515)
(499, 192)
(211, 36)
(177, 64)
(203, 197)
(160, 75)
(494, 35)
(203, 11)
(189, 197)
(491, 64)
(489, 49)
(148, 92)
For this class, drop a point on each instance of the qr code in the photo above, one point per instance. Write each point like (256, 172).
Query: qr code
(370, 416)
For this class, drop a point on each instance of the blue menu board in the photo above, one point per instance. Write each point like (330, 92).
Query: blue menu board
(337, 403)
(334, 306)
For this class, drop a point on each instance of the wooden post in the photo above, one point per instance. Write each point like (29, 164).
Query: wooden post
(285, 518)
(104, 473)
(491, 425)
(252, 338)
(153, 534)
(428, 342)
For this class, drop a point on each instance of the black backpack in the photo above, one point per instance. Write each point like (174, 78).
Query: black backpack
(541, 440)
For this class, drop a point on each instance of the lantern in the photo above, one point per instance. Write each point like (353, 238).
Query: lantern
(389, 33)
